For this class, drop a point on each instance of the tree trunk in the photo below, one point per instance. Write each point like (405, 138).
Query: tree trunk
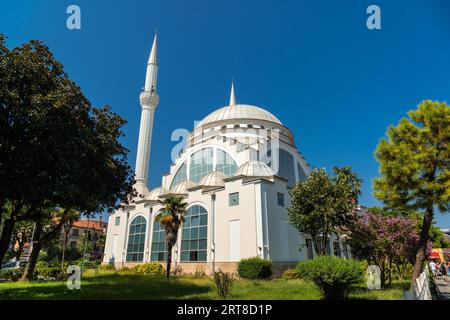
(423, 243)
(5, 239)
(169, 259)
(37, 245)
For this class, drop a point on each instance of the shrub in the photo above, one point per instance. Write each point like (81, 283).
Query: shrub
(50, 270)
(255, 268)
(290, 274)
(224, 282)
(334, 276)
(153, 268)
(108, 267)
(11, 275)
(199, 272)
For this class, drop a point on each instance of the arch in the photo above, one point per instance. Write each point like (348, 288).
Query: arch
(136, 239)
(180, 175)
(225, 163)
(201, 163)
(194, 234)
(159, 246)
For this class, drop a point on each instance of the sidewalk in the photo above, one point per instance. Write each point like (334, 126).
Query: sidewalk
(443, 287)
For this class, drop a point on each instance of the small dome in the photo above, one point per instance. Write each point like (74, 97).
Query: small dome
(155, 193)
(239, 111)
(255, 169)
(181, 188)
(213, 179)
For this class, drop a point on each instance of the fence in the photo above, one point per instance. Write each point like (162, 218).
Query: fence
(420, 290)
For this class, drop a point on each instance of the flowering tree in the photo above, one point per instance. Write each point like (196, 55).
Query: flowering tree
(384, 239)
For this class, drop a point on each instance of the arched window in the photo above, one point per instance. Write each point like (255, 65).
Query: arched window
(286, 166)
(201, 164)
(136, 239)
(301, 173)
(225, 164)
(159, 247)
(194, 234)
(180, 176)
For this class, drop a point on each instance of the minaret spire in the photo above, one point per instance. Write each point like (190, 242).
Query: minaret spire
(232, 97)
(149, 100)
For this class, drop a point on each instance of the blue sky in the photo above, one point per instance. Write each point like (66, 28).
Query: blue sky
(312, 63)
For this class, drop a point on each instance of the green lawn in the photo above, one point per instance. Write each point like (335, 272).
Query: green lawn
(126, 285)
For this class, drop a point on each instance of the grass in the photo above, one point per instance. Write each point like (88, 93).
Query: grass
(127, 285)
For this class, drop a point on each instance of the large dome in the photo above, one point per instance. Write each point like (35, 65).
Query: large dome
(238, 111)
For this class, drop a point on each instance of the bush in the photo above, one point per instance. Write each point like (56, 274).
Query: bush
(255, 268)
(11, 275)
(50, 270)
(108, 267)
(153, 268)
(334, 276)
(290, 274)
(223, 281)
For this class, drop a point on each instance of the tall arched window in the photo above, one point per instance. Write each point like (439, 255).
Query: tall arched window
(136, 239)
(180, 176)
(159, 247)
(286, 166)
(194, 234)
(225, 164)
(201, 164)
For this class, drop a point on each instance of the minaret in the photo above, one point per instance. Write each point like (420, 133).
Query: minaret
(149, 100)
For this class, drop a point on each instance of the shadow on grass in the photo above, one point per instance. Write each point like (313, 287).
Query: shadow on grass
(110, 286)
(393, 292)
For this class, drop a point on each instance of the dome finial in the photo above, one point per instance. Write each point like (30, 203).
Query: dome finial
(232, 97)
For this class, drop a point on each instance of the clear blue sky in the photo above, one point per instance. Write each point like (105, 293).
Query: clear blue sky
(314, 64)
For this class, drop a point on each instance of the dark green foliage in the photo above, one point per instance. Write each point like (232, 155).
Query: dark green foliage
(334, 276)
(50, 270)
(414, 162)
(255, 268)
(11, 275)
(322, 204)
(223, 282)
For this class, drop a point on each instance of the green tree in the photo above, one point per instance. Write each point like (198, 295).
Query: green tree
(321, 204)
(171, 217)
(48, 226)
(56, 150)
(415, 167)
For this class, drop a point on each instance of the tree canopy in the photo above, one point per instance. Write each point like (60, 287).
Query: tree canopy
(322, 204)
(415, 166)
(56, 149)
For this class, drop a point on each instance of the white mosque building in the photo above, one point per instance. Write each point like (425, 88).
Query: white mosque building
(235, 174)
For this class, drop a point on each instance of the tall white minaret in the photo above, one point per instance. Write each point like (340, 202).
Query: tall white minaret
(149, 100)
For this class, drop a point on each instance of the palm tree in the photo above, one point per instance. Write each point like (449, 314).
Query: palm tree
(171, 218)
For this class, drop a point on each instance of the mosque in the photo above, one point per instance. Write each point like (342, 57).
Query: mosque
(235, 174)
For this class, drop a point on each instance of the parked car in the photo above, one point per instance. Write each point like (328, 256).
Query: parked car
(13, 265)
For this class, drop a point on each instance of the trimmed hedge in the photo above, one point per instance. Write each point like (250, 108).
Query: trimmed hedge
(255, 268)
(334, 276)
(153, 268)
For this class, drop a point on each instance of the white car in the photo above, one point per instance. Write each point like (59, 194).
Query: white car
(12, 265)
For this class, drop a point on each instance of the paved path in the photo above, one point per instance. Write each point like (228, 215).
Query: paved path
(443, 287)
